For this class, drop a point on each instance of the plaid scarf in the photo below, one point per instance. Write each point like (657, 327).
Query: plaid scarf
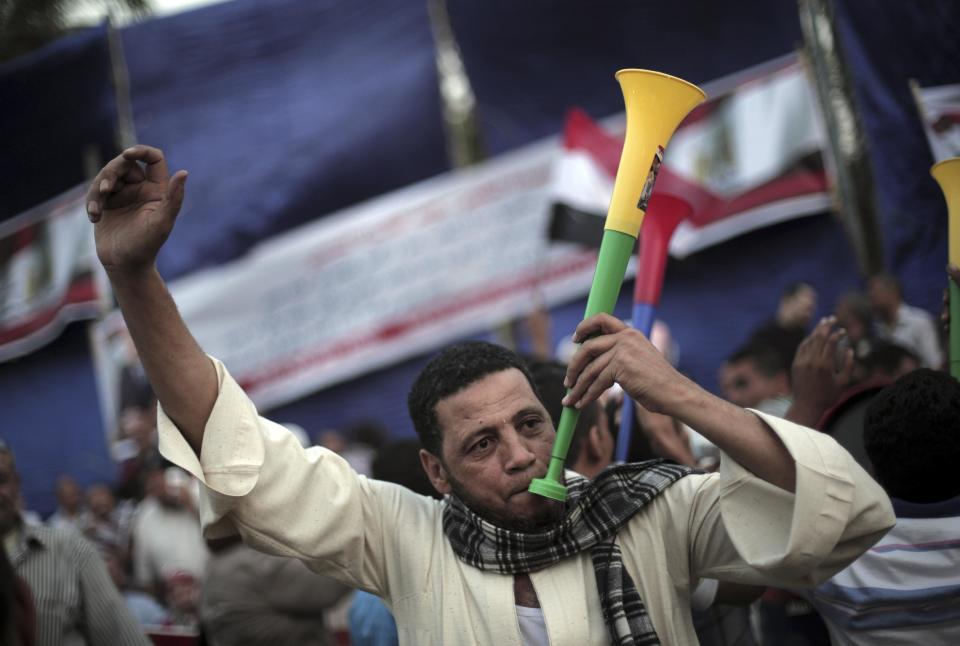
(594, 513)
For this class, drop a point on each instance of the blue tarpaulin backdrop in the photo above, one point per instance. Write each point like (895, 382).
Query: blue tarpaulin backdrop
(284, 111)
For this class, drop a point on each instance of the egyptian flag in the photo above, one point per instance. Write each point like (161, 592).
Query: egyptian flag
(750, 157)
(47, 273)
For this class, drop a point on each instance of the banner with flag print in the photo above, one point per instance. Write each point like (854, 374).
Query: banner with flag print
(47, 273)
(750, 157)
(940, 108)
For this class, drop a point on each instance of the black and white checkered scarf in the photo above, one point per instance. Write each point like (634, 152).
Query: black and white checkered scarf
(594, 512)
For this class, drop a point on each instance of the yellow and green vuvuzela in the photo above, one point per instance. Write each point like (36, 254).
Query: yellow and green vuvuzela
(655, 104)
(947, 174)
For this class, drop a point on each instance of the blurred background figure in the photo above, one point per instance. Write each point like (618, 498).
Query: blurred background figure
(106, 524)
(855, 315)
(365, 438)
(357, 444)
(911, 327)
(904, 589)
(75, 600)
(166, 534)
(795, 310)
(888, 361)
(332, 439)
(69, 505)
(756, 376)
(138, 450)
(18, 615)
(145, 609)
(255, 599)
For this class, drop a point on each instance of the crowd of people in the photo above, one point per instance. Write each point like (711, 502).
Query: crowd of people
(725, 526)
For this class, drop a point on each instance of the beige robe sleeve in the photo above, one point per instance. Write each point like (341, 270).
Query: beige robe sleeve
(283, 499)
(744, 529)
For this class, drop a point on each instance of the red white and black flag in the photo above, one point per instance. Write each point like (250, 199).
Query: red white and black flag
(750, 157)
(48, 273)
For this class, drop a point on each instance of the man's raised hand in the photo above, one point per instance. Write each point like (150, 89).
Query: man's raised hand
(619, 354)
(133, 202)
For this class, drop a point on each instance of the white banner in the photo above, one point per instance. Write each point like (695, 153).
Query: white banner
(461, 253)
(48, 273)
(388, 279)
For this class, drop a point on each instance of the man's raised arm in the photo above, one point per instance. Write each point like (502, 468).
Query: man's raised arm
(133, 203)
(623, 355)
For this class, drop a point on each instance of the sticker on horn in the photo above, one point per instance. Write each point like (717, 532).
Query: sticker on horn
(651, 179)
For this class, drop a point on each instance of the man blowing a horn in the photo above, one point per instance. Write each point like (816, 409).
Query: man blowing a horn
(491, 563)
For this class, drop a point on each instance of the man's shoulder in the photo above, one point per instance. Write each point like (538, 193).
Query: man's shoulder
(678, 495)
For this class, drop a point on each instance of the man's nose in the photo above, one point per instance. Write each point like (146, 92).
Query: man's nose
(518, 455)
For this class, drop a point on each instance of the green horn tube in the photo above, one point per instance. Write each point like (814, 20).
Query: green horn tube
(616, 248)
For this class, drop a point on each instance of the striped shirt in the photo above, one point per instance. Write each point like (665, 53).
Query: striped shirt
(77, 602)
(906, 588)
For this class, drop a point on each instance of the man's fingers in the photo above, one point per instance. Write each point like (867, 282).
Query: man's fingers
(585, 381)
(845, 373)
(829, 351)
(584, 356)
(156, 165)
(93, 211)
(104, 183)
(175, 191)
(134, 175)
(603, 380)
(817, 339)
(127, 195)
(597, 324)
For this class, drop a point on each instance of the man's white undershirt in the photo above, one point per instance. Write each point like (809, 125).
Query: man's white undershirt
(533, 629)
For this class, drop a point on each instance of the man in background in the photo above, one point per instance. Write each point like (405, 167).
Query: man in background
(166, 532)
(254, 599)
(911, 327)
(904, 589)
(76, 602)
(756, 376)
(69, 511)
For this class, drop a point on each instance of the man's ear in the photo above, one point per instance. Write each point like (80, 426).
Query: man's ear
(435, 471)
